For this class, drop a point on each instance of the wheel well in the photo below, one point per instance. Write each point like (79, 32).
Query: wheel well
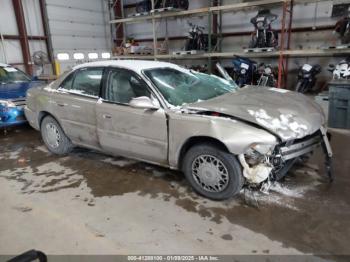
(196, 141)
(42, 115)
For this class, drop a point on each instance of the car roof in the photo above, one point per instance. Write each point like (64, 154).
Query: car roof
(135, 65)
(4, 65)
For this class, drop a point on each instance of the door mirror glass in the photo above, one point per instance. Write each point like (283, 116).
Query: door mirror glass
(143, 102)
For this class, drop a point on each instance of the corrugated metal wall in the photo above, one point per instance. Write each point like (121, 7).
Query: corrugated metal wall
(10, 48)
(78, 26)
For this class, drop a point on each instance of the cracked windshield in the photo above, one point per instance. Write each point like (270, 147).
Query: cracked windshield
(182, 87)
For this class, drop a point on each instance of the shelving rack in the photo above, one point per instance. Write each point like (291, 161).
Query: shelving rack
(282, 54)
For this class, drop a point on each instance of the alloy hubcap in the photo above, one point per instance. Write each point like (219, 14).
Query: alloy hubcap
(210, 173)
(52, 135)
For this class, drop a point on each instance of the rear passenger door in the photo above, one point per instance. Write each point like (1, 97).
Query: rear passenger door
(75, 103)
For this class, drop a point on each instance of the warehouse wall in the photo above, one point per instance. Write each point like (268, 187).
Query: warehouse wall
(8, 27)
(78, 26)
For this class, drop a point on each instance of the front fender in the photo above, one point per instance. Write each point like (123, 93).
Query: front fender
(237, 136)
(39, 103)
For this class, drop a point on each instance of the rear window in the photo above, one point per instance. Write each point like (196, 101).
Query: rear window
(86, 81)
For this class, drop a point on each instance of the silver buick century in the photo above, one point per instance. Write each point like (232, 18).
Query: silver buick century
(221, 136)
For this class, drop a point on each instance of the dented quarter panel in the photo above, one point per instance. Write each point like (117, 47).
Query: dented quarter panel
(236, 135)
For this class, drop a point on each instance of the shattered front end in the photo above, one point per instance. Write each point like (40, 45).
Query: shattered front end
(275, 164)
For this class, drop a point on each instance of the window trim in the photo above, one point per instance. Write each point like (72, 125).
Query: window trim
(74, 74)
(105, 85)
(162, 101)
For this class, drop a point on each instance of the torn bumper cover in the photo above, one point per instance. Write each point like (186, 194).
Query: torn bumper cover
(274, 166)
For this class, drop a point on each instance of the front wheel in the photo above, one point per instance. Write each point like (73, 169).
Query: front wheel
(254, 42)
(212, 172)
(54, 138)
(301, 87)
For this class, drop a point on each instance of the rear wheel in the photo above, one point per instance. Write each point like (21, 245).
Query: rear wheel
(212, 172)
(54, 137)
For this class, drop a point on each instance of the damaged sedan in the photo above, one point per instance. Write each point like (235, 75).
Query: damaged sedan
(221, 136)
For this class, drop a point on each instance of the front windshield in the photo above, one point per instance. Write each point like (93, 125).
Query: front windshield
(10, 74)
(182, 87)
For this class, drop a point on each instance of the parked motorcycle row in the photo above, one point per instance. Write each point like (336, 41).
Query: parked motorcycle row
(307, 74)
(262, 37)
(248, 72)
(146, 5)
(197, 39)
(342, 27)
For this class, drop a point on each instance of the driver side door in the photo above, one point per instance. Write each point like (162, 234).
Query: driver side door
(125, 130)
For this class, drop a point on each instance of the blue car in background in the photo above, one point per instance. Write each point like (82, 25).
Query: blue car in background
(13, 88)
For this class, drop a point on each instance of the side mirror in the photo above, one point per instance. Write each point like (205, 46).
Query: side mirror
(143, 102)
(35, 78)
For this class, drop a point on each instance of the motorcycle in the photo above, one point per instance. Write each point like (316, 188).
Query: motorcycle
(342, 27)
(146, 5)
(197, 40)
(244, 70)
(267, 76)
(264, 35)
(341, 70)
(307, 77)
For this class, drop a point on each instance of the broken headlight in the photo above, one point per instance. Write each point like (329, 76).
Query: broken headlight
(257, 153)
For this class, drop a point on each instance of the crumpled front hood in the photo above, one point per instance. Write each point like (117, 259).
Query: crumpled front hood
(287, 114)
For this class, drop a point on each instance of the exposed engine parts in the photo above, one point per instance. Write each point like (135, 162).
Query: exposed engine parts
(274, 165)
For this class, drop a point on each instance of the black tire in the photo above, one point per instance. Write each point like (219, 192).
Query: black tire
(140, 8)
(64, 145)
(272, 41)
(169, 3)
(301, 87)
(189, 45)
(143, 6)
(229, 161)
(253, 43)
(181, 4)
(260, 42)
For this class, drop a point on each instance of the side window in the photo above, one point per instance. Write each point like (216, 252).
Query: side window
(86, 82)
(124, 85)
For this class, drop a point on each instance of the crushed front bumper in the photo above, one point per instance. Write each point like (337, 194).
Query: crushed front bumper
(288, 152)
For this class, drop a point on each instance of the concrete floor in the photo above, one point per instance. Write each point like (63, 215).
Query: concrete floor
(90, 203)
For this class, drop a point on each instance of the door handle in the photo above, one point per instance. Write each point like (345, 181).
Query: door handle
(61, 104)
(106, 116)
